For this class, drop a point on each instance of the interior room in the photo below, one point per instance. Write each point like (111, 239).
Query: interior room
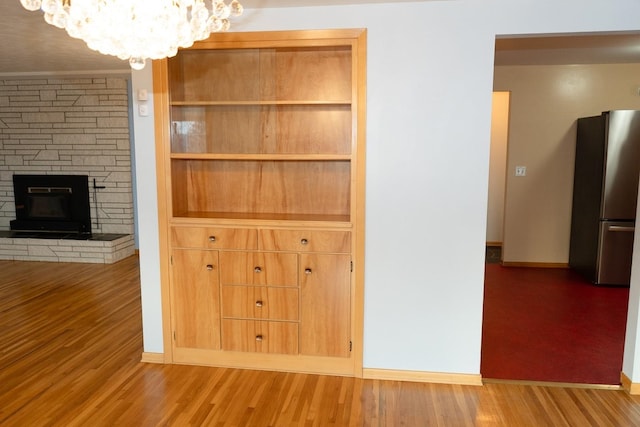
(422, 74)
(554, 80)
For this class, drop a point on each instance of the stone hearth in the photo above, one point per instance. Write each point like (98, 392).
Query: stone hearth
(98, 249)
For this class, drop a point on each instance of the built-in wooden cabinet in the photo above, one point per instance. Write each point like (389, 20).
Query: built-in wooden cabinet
(260, 160)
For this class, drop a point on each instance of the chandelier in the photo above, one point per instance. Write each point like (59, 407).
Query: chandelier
(137, 30)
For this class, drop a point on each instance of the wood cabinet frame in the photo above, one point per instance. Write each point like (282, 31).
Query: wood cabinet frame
(356, 40)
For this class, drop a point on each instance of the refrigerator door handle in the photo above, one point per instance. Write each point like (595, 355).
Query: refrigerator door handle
(621, 228)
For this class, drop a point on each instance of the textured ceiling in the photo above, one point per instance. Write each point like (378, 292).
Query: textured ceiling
(29, 45)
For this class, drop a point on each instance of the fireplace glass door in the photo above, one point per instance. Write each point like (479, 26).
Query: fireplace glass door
(48, 203)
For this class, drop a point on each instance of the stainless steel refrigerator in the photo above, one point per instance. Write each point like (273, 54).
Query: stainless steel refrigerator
(605, 192)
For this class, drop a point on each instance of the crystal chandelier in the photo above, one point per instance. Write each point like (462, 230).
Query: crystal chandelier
(138, 29)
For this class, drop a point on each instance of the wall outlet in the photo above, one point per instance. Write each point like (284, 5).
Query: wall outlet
(521, 171)
(143, 110)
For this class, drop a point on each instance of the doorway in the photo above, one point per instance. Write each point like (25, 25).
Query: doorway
(550, 87)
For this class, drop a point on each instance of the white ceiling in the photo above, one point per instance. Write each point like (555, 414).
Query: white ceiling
(29, 45)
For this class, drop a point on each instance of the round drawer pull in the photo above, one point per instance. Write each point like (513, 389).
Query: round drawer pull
(259, 303)
(212, 239)
(304, 242)
(257, 269)
(307, 271)
(259, 338)
(209, 267)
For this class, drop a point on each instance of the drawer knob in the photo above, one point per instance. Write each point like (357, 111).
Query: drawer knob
(209, 267)
(258, 303)
(259, 338)
(307, 271)
(257, 269)
(304, 242)
(212, 239)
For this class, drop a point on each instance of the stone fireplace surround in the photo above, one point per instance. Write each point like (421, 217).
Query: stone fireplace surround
(68, 125)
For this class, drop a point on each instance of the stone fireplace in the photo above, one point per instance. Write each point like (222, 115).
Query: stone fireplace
(65, 126)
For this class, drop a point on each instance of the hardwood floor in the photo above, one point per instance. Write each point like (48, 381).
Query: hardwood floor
(70, 354)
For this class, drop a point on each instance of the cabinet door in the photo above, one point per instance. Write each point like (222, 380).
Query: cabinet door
(195, 294)
(325, 303)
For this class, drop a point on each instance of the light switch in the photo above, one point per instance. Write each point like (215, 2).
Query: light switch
(521, 171)
(143, 95)
(143, 110)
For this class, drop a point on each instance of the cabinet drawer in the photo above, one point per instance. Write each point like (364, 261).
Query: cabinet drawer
(260, 302)
(214, 238)
(258, 268)
(260, 336)
(305, 240)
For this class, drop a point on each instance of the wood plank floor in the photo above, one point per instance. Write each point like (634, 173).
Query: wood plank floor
(72, 341)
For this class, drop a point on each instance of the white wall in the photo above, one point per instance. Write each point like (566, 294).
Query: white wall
(147, 211)
(430, 78)
(631, 362)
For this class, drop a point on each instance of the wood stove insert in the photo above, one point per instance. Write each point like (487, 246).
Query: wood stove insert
(52, 204)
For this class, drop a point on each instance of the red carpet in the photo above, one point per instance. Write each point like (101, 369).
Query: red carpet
(551, 325)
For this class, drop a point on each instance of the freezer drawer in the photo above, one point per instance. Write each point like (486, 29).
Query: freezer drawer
(616, 249)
